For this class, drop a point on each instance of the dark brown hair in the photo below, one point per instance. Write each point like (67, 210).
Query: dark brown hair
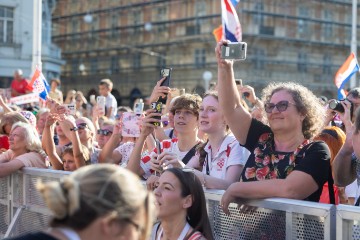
(187, 101)
(197, 215)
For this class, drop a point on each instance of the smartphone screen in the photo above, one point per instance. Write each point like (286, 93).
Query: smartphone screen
(165, 72)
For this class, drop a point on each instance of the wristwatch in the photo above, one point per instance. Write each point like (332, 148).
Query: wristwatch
(74, 129)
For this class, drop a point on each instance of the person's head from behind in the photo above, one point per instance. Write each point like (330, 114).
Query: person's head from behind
(211, 117)
(68, 159)
(334, 137)
(290, 107)
(18, 74)
(120, 110)
(7, 121)
(186, 113)
(105, 87)
(354, 97)
(55, 83)
(356, 135)
(179, 193)
(109, 200)
(24, 138)
(105, 132)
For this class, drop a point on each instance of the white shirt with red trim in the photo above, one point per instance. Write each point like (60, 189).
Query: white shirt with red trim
(168, 145)
(229, 154)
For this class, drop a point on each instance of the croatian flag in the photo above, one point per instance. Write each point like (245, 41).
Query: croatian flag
(345, 72)
(231, 28)
(38, 84)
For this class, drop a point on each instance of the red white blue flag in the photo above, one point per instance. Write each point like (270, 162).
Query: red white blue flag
(38, 84)
(343, 75)
(231, 28)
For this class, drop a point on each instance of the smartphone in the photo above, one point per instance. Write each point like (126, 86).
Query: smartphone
(100, 100)
(234, 51)
(70, 109)
(158, 107)
(165, 72)
(139, 107)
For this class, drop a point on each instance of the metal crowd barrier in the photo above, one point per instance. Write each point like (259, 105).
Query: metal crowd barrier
(22, 210)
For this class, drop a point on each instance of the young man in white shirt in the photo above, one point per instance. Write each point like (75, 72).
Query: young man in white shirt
(105, 87)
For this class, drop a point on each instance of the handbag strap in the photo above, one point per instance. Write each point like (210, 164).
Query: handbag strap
(190, 154)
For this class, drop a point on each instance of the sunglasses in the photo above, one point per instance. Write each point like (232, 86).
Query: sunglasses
(104, 132)
(82, 126)
(280, 106)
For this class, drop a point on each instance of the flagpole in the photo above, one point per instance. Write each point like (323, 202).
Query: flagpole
(37, 28)
(354, 38)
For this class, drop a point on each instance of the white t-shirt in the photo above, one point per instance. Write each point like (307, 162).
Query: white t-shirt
(230, 153)
(352, 190)
(111, 102)
(125, 150)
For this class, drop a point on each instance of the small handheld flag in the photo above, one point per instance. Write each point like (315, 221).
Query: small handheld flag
(343, 75)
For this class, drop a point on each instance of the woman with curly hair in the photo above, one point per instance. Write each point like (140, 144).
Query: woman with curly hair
(284, 162)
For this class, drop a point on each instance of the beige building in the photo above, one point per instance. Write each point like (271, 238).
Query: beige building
(129, 41)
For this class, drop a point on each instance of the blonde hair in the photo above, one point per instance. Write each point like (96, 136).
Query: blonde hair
(11, 118)
(33, 143)
(306, 103)
(95, 191)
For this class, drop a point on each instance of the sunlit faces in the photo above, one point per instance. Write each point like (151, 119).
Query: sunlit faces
(85, 133)
(40, 124)
(103, 135)
(103, 90)
(286, 120)
(185, 121)
(17, 140)
(355, 102)
(211, 118)
(69, 162)
(169, 201)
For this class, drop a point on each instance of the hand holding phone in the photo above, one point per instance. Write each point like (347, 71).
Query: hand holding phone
(158, 107)
(234, 51)
(101, 100)
(165, 73)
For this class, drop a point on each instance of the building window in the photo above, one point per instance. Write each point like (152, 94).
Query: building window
(115, 64)
(75, 25)
(137, 61)
(137, 20)
(258, 17)
(6, 24)
(114, 25)
(200, 57)
(259, 58)
(162, 16)
(303, 25)
(301, 65)
(327, 64)
(75, 67)
(327, 31)
(93, 65)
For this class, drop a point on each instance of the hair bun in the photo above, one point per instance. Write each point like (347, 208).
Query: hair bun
(62, 198)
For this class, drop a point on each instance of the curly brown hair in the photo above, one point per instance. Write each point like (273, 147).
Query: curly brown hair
(306, 103)
(187, 101)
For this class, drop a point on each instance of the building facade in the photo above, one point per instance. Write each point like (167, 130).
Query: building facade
(16, 40)
(129, 41)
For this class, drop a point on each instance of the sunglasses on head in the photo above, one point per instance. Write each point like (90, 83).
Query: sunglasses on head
(280, 106)
(82, 126)
(104, 132)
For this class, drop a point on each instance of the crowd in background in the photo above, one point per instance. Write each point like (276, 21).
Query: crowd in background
(289, 143)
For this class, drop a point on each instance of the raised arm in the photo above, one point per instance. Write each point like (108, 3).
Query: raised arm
(49, 145)
(237, 117)
(106, 154)
(147, 128)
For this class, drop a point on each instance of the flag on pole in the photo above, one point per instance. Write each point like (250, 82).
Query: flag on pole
(38, 84)
(343, 75)
(231, 27)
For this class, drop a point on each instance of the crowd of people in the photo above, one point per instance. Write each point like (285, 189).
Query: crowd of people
(287, 144)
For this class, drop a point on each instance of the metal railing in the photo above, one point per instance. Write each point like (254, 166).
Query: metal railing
(22, 210)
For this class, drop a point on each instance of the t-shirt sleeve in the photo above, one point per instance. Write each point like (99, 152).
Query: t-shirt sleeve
(32, 159)
(316, 162)
(145, 164)
(238, 155)
(256, 129)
